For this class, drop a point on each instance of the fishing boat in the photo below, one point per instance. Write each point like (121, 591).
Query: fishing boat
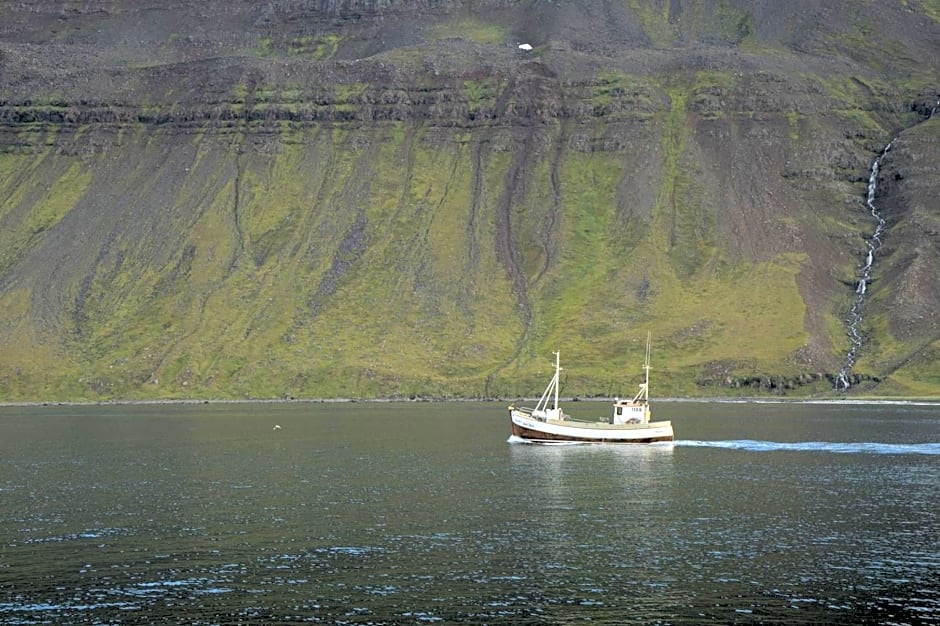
(630, 421)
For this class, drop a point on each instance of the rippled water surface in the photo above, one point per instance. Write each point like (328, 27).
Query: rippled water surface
(424, 513)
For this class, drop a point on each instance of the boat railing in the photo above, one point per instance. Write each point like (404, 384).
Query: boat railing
(536, 414)
(545, 415)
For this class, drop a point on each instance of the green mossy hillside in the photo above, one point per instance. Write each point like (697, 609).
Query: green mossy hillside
(399, 200)
(397, 261)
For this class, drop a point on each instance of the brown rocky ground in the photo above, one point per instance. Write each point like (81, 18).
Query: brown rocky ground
(785, 108)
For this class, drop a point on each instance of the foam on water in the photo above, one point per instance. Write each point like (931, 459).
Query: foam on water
(815, 446)
(752, 445)
(515, 439)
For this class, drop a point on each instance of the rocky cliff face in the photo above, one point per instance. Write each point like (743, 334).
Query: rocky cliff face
(231, 199)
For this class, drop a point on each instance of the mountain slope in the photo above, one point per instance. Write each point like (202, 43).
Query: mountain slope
(359, 199)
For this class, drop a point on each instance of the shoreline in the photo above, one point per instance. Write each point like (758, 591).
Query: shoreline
(571, 399)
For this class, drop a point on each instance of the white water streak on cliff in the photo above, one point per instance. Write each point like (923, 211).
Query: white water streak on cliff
(874, 243)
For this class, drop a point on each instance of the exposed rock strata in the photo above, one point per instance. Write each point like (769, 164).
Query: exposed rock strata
(144, 144)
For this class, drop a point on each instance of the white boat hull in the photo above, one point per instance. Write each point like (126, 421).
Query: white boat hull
(537, 430)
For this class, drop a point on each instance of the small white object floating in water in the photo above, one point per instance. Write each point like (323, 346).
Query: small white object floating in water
(276, 427)
(525, 46)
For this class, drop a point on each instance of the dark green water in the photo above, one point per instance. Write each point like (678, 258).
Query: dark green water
(423, 513)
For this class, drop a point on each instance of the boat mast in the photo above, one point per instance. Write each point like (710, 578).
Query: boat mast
(644, 392)
(557, 370)
(551, 388)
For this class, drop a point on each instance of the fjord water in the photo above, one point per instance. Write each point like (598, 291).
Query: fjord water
(424, 513)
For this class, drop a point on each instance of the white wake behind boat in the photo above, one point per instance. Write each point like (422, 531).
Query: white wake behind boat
(630, 422)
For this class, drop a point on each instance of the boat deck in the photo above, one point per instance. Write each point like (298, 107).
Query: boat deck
(604, 425)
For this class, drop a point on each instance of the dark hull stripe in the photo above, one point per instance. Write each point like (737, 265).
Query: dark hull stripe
(536, 435)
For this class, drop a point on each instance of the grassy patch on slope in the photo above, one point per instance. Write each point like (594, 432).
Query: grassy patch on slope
(473, 29)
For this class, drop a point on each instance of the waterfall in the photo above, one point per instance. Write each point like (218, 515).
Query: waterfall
(873, 243)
